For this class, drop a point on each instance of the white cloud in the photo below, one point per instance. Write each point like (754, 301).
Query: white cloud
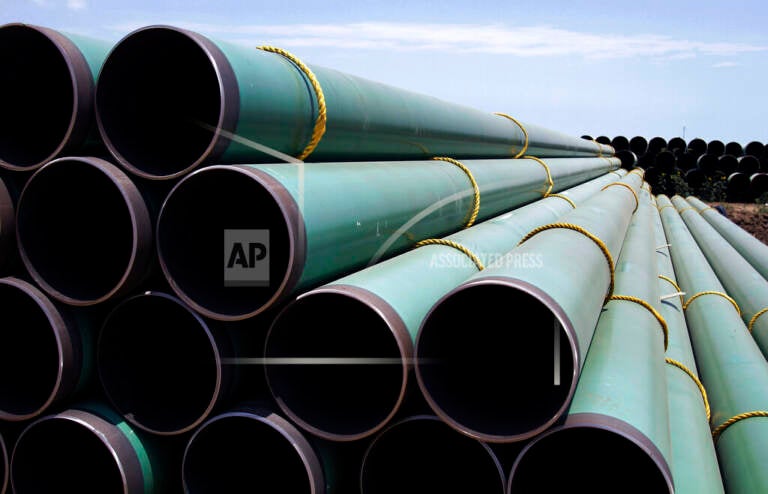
(723, 65)
(526, 41)
(76, 4)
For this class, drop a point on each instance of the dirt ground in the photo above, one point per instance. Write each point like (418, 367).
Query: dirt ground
(751, 217)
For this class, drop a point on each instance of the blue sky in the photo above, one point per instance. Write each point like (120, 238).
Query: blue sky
(595, 67)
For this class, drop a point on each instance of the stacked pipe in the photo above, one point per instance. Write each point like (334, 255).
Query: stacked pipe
(713, 170)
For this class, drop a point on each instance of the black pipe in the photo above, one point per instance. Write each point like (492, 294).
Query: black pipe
(676, 143)
(695, 177)
(646, 160)
(754, 148)
(603, 140)
(687, 161)
(628, 159)
(727, 163)
(84, 231)
(163, 366)
(620, 143)
(764, 160)
(738, 187)
(587, 137)
(638, 145)
(3, 466)
(715, 148)
(665, 161)
(758, 184)
(734, 149)
(697, 146)
(422, 454)
(747, 164)
(707, 163)
(656, 145)
(8, 253)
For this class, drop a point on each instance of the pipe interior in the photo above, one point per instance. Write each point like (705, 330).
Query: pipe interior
(36, 96)
(241, 454)
(583, 459)
(335, 397)
(157, 364)
(419, 456)
(487, 356)
(29, 355)
(191, 239)
(3, 465)
(74, 226)
(155, 89)
(58, 455)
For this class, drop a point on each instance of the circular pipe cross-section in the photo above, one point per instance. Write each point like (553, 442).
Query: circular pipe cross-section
(76, 451)
(46, 94)
(7, 227)
(422, 454)
(41, 354)
(747, 164)
(3, 466)
(161, 112)
(638, 145)
(84, 231)
(493, 376)
(697, 146)
(250, 451)
(341, 362)
(715, 148)
(160, 364)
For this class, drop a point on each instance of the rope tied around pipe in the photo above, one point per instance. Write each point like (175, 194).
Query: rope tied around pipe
(742, 416)
(629, 187)
(651, 309)
(589, 235)
(752, 321)
(681, 211)
(475, 188)
(322, 116)
(674, 284)
(696, 380)
(712, 292)
(701, 211)
(525, 133)
(565, 198)
(455, 245)
(550, 182)
(665, 206)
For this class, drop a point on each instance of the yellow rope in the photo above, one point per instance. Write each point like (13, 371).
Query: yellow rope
(686, 209)
(475, 188)
(629, 187)
(589, 235)
(674, 284)
(720, 428)
(706, 208)
(608, 160)
(565, 198)
(615, 172)
(322, 116)
(638, 171)
(696, 380)
(550, 183)
(712, 292)
(754, 319)
(525, 133)
(665, 206)
(457, 246)
(643, 303)
(599, 148)
(644, 186)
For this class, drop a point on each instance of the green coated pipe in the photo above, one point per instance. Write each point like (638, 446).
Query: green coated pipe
(170, 100)
(732, 368)
(619, 411)
(495, 379)
(47, 94)
(752, 249)
(324, 220)
(740, 279)
(85, 451)
(376, 313)
(693, 459)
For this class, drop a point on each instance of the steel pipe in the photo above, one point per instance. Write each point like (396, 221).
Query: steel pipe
(3, 466)
(732, 368)
(677, 143)
(754, 251)
(422, 454)
(45, 352)
(157, 386)
(665, 161)
(628, 159)
(81, 451)
(754, 148)
(707, 163)
(620, 143)
(727, 163)
(84, 231)
(692, 453)
(734, 149)
(758, 184)
(375, 314)
(738, 187)
(46, 94)
(313, 235)
(695, 177)
(687, 161)
(741, 281)
(620, 407)
(494, 379)
(638, 145)
(255, 450)
(169, 101)
(715, 148)
(656, 145)
(697, 146)
(747, 164)
(7, 229)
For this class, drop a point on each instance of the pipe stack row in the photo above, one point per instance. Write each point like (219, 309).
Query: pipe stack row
(227, 270)
(713, 170)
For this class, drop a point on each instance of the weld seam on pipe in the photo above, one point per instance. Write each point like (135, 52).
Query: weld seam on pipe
(472, 215)
(322, 115)
(649, 307)
(589, 235)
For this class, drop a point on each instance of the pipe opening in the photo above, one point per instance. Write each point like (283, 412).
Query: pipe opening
(29, 356)
(494, 361)
(155, 89)
(60, 455)
(238, 453)
(333, 398)
(76, 231)
(3, 465)
(425, 455)
(585, 459)
(191, 241)
(37, 96)
(158, 364)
